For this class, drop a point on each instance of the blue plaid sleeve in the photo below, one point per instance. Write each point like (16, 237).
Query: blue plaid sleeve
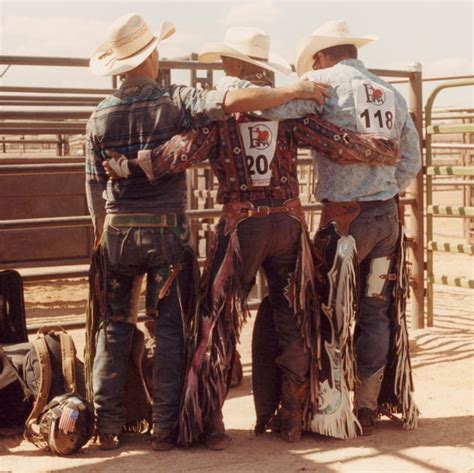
(96, 183)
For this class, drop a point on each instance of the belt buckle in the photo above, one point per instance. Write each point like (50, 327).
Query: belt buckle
(265, 209)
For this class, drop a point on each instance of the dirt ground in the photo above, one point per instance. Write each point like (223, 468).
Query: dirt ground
(443, 374)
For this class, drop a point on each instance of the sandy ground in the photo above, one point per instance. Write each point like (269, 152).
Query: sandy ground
(443, 373)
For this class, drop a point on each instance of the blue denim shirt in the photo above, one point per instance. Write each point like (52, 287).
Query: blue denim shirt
(362, 102)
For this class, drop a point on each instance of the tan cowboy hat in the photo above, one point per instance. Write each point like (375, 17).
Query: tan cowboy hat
(130, 42)
(247, 44)
(332, 33)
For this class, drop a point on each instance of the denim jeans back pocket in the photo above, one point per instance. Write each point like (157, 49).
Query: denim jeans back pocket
(167, 248)
(113, 243)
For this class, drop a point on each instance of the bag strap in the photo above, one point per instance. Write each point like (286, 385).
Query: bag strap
(42, 353)
(49, 329)
(68, 362)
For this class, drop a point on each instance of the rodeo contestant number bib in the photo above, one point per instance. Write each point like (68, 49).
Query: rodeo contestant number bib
(374, 108)
(259, 139)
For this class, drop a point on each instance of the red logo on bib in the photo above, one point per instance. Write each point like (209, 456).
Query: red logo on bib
(260, 136)
(374, 94)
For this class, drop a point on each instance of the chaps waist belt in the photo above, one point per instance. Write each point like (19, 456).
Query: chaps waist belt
(142, 220)
(344, 213)
(235, 212)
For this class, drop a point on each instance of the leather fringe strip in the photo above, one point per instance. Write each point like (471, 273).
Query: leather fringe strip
(397, 389)
(224, 310)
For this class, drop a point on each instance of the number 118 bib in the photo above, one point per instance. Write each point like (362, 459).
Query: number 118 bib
(374, 108)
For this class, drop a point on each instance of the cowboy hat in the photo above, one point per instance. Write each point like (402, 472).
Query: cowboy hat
(332, 33)
(247, 44)
(130, 42)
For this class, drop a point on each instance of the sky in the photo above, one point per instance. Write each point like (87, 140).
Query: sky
(439, 35)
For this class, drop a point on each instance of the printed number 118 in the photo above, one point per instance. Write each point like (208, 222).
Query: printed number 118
(388, 122)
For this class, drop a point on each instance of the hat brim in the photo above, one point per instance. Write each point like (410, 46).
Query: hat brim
(213, 52)
(104, 63)
(311, 45)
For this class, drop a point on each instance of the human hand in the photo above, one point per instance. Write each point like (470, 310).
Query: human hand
(117, 167)
(309, 89)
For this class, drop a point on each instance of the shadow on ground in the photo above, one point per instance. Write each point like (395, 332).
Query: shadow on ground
(248, 453)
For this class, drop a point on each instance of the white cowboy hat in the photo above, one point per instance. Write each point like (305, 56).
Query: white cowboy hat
(130, 42)
(332, 33)
(247, 44)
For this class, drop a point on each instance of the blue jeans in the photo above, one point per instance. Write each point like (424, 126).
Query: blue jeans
(131, 253)
(376, 232)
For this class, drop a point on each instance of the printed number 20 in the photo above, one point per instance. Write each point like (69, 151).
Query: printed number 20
(259, 164)
(378, 115)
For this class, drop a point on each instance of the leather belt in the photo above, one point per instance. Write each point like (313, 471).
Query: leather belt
(264, 210)
(344, 213)
(142, 220)
(370, 204)
(235, 212)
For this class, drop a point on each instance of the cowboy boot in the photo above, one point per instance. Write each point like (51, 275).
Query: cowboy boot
(109, 441)
(237, 371)
(366, 396)
(293, 398)
(266, 375)
(215, 436)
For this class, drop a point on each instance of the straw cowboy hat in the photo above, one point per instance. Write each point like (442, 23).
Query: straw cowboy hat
(332, 33)
(130, 42)
(247, 44)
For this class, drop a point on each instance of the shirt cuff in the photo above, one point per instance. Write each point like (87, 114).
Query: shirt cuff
(215, 105)
(144, 161)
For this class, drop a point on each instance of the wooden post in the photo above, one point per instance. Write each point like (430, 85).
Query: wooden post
(193, 72)
(415, 105)
(60, 145)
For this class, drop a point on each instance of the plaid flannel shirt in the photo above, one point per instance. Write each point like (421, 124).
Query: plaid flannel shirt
(141, 115)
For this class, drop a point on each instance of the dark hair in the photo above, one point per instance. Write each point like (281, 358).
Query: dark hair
(342, 51)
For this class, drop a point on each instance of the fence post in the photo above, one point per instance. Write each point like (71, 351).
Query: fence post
(59, 145)
(415, 105)
(193, 72)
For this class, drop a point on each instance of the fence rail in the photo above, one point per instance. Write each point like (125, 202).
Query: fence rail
(432, 210)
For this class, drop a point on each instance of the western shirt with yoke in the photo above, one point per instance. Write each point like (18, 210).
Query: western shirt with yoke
(362, 102)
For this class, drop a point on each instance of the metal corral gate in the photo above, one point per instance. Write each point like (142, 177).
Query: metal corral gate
(433, 210)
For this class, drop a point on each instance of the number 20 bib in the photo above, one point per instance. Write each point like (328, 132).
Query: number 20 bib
(374, 108)
(259, 139)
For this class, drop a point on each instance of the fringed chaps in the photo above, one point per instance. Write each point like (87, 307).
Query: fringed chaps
(224, 310)
(207, 379)
(336, 276)
(396, 396)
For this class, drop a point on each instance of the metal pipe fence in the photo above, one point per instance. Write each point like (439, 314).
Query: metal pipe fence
(432, 210)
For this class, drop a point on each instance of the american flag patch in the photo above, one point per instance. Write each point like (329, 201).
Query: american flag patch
(67, 422)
